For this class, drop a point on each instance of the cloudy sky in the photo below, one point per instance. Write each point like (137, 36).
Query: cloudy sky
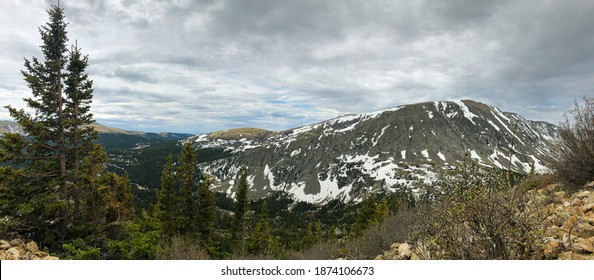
(200, 66)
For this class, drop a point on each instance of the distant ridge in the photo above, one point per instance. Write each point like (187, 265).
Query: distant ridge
(403, 147)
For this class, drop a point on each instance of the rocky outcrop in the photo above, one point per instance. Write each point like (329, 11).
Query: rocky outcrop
(17, 249)
(398, 251)
(569, 227)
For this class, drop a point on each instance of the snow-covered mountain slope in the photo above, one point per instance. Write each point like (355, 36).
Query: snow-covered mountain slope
(404, 147)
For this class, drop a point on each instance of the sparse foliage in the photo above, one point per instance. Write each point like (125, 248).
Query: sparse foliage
(482, 218)
(572, 157)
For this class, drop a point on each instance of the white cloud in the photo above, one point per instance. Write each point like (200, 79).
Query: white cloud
(198, 66)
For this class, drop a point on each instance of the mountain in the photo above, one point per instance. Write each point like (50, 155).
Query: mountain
(399, 148)
(9, 126)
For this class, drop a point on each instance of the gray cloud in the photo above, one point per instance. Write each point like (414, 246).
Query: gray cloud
(199, 66)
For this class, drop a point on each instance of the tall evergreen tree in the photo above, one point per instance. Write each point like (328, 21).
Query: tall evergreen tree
(240, 209)
(164, 208)
(78, 118)
(54, 134)
(207, 211)
(187, 179)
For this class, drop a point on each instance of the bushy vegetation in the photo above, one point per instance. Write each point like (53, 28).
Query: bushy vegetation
(481, 217)
(572, 157)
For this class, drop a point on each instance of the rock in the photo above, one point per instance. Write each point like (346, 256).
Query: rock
(16, 249)
(414, 256)
(553, 249)
(17, 242)
(582, 194)
(584, 246)
(589, 185)
(32, 247)
(559, 194)
(573, 256)
(14, 253)
(569, 223)
(404, 251)
(577, 202)
(379, 258)
(588, 207)
(560, 218)
(566, 204)
(584, 229)
(4, 245)
(51, 258)
(394, 246)
(549, 209)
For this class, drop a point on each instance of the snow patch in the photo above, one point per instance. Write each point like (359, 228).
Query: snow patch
(467, 114)
(425, 153)
(295, 152)
(441, 156)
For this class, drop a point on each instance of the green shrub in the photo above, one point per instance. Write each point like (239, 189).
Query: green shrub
(572, 156)
(482, 218)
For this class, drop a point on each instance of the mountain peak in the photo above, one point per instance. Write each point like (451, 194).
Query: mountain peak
(401, 147)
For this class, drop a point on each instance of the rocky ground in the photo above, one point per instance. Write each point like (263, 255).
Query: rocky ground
(17, 249)
(568, 234)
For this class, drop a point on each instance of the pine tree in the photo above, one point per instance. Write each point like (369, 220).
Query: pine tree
(365, 216)
(44, 153)
(207, 211)
(381, 212)
(164, 208)
(78, 118)
(240, 210)
(262, 239)
(187, 179)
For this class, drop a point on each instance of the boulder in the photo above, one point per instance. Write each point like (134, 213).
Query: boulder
(404, 251)
(16, 249)
(588, 207)
(584, 229)
(582, 194)
(559, 194)
(4, 245)
(553, 249)
(17, 242)
(14, 253)
(32, 247)
(584, 246)
(573, 256)
(570, 223)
